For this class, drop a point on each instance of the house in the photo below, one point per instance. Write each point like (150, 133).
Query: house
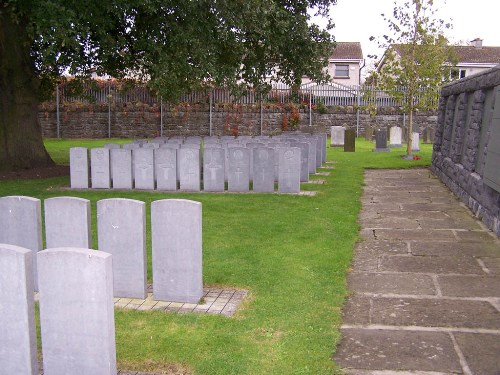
(344, 65)
(471, 59)
(474, 58)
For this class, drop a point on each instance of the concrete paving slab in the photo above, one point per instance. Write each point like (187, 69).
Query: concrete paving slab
(455, 248)
(470, 286)
(393, 283)
(356, 310)
(404, 351)
(414, 234)
(481, 351)
(434, 313)
(492, 264)
(446, 271)
(431, 264)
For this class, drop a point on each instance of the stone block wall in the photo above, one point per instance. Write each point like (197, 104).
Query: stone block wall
(140, 120)
(462, 142)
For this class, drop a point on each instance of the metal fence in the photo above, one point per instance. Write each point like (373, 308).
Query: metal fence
(309, 94)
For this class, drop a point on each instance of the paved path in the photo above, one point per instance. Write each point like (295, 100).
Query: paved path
(425, 283)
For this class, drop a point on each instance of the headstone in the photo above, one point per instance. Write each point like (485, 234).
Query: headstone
(121, 231)
(77, 312)
(369, 133)
(213, 169)
(144, 172)
(415, 141)
(99, 168)
(67, 222)
(21, 225)
(151, 145)
(176, 230)
(131, 146)
(319, 152)
(337, 136)
(111, 146)
(312, 154)
(289, 170)
(121, 168)
(166, 169)
(189, 169)
(323, 146)
(395, 137)
(263, 170)
(429, 135)
(350, 140)
(18, 351)
(304, 159)
(79, 167)
(238, 178)
(381, 141)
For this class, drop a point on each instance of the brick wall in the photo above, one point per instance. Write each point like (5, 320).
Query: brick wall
(138, 120)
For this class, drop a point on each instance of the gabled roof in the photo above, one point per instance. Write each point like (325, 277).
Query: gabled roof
(347, 51)
(469, 54)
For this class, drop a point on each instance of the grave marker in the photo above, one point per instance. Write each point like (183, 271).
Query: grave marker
(67, 222)
(213, 169)
(238, 178)
(77, 312)
(21, 225)
(263, 169)
(144, 172)
(176, 230)
(18, 352)
(166, 168)
(79, 167)
(121, 168)
(289, 170)
(99, 168)
(121, 228)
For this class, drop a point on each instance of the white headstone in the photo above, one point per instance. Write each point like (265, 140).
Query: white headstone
(18, 353)
(21, 225)
(67, 222)
(77, 312)
(337, 134)
(189, 169)
(238, 178)
(121, 168)
(176, 231)
(263, 169)
(395, 137)
(79, 167)
(289, 170)
(213, 169)
(144, 172)
(166, 169)
(99, 168)
(121, 231)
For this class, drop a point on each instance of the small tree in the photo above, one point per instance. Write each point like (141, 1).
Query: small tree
(417, 58)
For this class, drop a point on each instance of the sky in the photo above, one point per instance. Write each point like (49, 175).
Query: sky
(357, 20)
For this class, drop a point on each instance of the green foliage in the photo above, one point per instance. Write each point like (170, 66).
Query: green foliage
(417, 57)
(291, 252)
(175, 45)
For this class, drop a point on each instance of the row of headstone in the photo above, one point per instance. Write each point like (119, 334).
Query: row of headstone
(121, 230)
(76, 311)
(395, 140)
(169, 166)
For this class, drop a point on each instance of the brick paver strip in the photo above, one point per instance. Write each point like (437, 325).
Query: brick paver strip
(214, 301)
(425, 283)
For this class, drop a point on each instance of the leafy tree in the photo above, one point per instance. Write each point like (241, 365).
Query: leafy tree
(417, 58)
(175, 45)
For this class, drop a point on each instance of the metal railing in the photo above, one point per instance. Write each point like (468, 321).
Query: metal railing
(326, 94)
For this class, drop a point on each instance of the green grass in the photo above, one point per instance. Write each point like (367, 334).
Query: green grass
(291, 252)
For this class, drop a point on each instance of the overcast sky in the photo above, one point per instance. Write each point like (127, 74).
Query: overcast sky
(357, 20)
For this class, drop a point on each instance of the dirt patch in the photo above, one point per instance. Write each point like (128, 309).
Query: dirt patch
(36, 173)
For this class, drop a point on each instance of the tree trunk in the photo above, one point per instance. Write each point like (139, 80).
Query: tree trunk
(21, 144)
(409, 134)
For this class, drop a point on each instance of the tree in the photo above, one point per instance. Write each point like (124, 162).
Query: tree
(417, 58)
(174, 45)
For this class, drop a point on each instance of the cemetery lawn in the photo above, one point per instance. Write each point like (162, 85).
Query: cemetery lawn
(292, 254)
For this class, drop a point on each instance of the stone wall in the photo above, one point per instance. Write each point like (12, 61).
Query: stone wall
(139, 120)
(464, 143)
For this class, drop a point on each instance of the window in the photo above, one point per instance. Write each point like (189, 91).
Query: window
(342, 71)
(457, 73)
